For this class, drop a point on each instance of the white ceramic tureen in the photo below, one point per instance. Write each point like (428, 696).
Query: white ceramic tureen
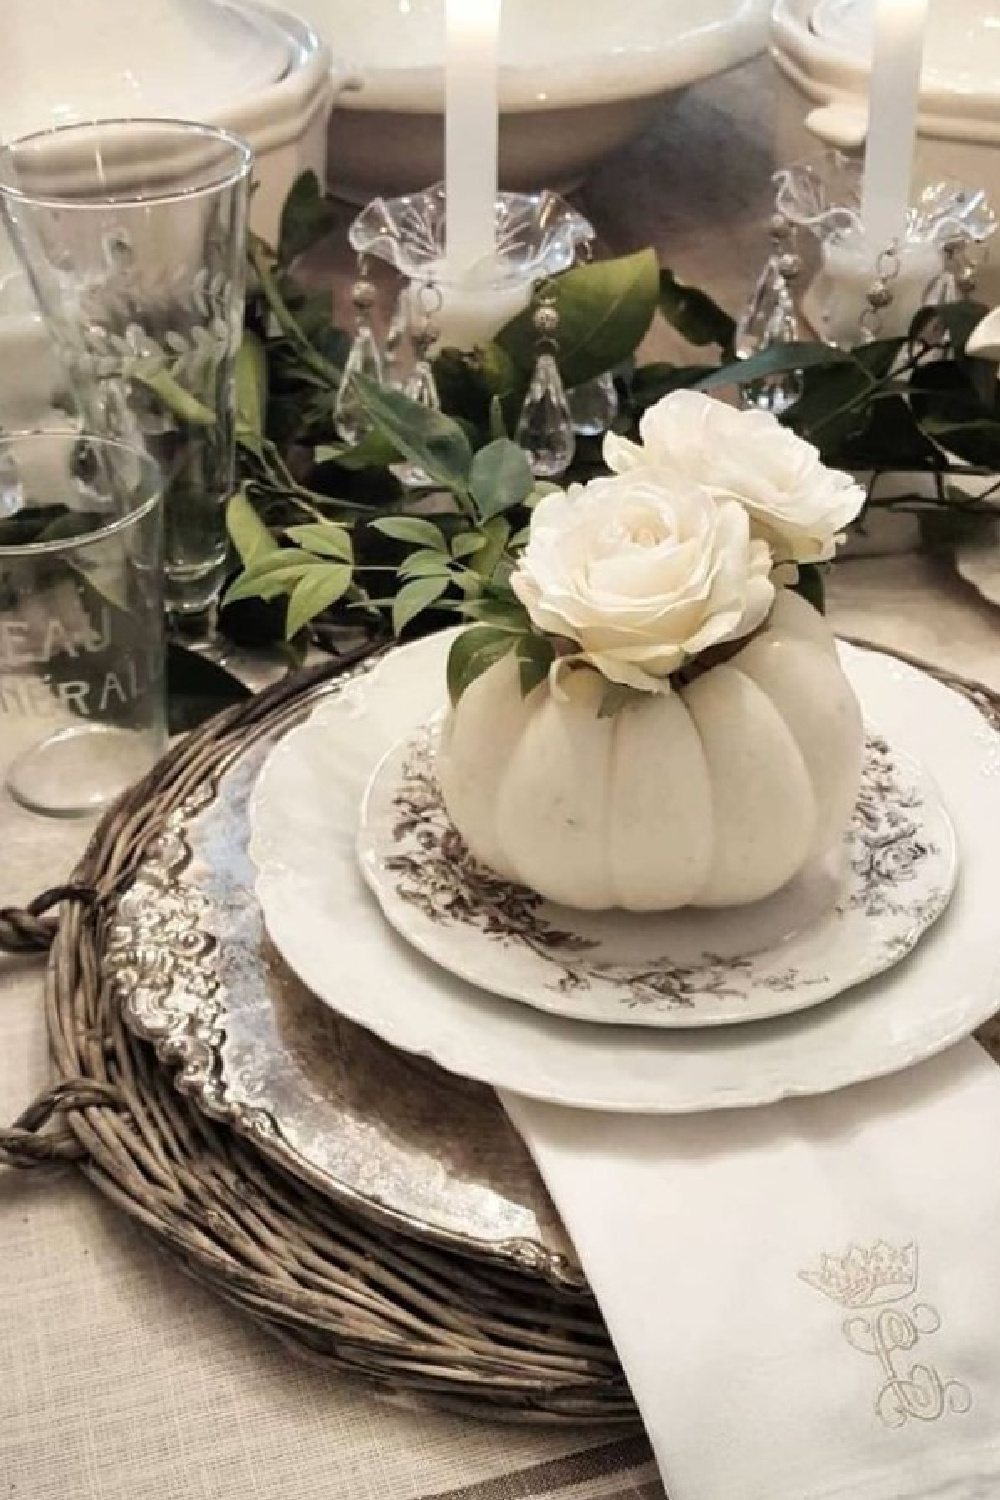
(577, 81)
(261, 72)
(695, 740)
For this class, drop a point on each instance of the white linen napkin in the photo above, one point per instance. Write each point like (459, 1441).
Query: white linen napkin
(805, 1298)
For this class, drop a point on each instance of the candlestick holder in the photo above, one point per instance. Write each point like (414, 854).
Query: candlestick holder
(537, 236)
(864, 290)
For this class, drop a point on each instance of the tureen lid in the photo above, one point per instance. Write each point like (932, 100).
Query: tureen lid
(182, 59)
(961, 49)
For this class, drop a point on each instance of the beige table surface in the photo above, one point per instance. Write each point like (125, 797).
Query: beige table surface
(121, 1380)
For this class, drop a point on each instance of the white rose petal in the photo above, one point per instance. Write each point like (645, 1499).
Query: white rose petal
(642, 571)
(795, 503)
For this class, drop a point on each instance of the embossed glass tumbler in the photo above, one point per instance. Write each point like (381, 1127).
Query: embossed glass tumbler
(82, 649)
(133, 236)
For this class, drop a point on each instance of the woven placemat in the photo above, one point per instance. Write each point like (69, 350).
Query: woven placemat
(474, 1337)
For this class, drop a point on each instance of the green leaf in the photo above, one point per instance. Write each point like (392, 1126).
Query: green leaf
(779, 359)
(94, 572)
(498, 427)
(535, 655)
(276, 573)
(251, 385)
(694, 314)
(618, 695)
(954, 319)
(279, 561)
(424, 565)
(314, 315)
(943, 391)
(976, 442)
(500, 478)
(650, 383)
(879, 356)
(250, 536)
(605, 310)
(497, 534)
(308, 356)
(470, 384)
(890, 439)
(473, 653)
(507, 614)
(412, 529)
(306, 218)
(542, 488)
(179, 402)
(466, 543)
(374, 451)
(427, 438)
(414, 597)
(324, 538)
(315, 592)
(811, 584)
(198, 688)
(834, 406)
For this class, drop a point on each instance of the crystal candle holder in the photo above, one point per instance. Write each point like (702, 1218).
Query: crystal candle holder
(537, 235)
(866, 289)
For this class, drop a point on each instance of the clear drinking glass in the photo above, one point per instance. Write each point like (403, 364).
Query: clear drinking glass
(133, 236)
(82, 647)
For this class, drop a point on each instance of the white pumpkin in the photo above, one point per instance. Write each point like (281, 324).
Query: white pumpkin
(716, 794)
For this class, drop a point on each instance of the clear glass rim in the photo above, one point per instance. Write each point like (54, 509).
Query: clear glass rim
(236, 171)
(149, 488)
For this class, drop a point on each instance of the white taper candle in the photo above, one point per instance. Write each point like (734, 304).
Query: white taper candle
(893, 103)
(471, 129)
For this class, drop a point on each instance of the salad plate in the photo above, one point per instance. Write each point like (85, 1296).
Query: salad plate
(327, 924)
(851, 917)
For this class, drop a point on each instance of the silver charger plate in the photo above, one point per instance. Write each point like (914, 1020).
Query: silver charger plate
(839, 923)
(383, 1132)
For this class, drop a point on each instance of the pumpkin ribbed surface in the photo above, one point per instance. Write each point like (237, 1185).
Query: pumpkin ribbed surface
(716, 794)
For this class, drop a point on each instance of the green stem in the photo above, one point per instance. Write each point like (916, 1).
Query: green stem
(281, 479)
(286, 321)
(916, 506)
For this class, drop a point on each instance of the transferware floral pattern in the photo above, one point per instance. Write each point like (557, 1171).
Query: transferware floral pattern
(898, 876)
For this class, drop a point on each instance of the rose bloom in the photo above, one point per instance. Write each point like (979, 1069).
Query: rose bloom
(796, 504)
(643, 571)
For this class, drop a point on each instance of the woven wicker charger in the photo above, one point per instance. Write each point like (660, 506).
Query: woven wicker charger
(474, 1337)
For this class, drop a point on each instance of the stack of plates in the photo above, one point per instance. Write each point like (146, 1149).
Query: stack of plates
(859, 969)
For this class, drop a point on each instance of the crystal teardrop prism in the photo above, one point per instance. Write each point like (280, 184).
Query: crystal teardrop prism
(593, 406)
(769, 318)
(364, 358)
(545, 426)
(399, 327)
(941, 290)
(422, 388)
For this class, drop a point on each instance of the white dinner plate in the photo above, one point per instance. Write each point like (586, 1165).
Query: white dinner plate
(329, 927)
(842, 921)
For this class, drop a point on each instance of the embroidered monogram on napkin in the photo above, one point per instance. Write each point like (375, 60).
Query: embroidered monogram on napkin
(883, 1280)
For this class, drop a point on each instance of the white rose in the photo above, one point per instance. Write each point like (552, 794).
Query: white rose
(643, 571)
(796, 504)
